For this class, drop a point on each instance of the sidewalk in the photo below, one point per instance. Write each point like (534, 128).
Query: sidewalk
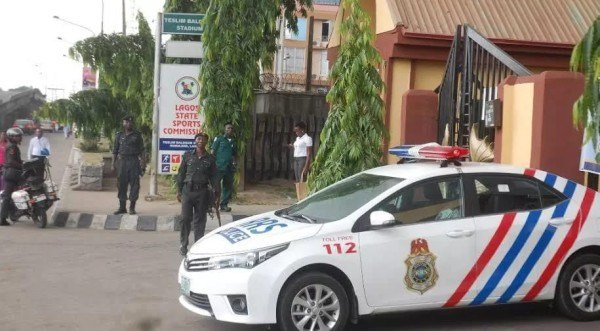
(93, 209)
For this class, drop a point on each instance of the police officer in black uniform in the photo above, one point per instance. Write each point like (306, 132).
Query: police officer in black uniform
(13, 167)
(197, 171)
(129, 161)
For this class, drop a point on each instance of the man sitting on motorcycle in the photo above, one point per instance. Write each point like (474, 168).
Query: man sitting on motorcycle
(13, 166)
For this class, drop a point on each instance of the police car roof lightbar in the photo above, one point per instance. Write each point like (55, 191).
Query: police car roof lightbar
(430, 151)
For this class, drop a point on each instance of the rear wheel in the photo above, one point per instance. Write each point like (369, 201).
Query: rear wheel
(313, 302)
(578, 293)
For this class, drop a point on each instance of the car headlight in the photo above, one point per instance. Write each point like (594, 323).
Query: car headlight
(246, 260)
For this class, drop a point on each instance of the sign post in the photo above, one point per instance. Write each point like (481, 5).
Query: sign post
(176, 105)
(155, 110)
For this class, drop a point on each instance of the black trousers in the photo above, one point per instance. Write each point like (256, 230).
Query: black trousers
(194, 206)
(128, 175)
(9, 187)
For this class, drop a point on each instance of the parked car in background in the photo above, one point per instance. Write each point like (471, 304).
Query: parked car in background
(46, 125)
(27, 125)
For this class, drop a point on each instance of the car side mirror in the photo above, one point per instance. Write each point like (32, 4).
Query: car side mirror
(380, 219)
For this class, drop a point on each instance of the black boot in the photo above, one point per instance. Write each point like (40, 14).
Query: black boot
(132, 208)
(122, 209)
(4, 223)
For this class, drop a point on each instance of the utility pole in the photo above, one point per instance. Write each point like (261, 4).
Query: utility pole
(309, 55)
(281, 49)
(124, 25)
(102, 20)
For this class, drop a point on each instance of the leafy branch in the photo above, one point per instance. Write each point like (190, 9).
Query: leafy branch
(353, 133)
(586, 59)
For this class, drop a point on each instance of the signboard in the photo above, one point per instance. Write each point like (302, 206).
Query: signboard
(590, 156)
(179, 117)
(492, 113)
(185, 49)
(88, 79)
(177, 23)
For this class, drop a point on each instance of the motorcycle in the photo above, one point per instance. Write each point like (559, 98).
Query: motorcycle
(37, 194)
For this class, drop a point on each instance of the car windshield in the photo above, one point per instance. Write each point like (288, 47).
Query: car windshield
(339, 200)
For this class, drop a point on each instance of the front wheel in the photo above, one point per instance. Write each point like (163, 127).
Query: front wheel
(41, 218)
(313, 301)
(578, 292)
(14, 216)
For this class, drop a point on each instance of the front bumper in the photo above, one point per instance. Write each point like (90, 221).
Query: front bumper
(259, 285)
(185, 301)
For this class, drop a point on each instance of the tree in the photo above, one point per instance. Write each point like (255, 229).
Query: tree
(96, 112)
(586, 59)
(126, 66)
(351, 140)
(238, 34)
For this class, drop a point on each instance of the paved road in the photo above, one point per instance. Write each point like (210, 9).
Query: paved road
(69, 279)
(60, 147)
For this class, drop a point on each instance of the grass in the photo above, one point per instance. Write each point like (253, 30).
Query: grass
(273, 192)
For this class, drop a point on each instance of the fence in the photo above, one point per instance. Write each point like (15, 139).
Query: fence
(274, 115)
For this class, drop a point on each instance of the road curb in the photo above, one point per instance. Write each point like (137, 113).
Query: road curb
(145, 223)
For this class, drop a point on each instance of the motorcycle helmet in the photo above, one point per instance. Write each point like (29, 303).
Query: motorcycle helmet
(14, 132)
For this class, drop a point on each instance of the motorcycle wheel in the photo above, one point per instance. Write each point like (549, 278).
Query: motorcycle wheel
(42, 218)
(13, 216)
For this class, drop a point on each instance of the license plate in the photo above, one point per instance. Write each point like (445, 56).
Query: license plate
(40, 198)
(184, 287)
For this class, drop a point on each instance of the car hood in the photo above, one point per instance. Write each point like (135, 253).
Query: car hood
(254, 232)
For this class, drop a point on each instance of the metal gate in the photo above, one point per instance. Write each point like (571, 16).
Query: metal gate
(474, 70)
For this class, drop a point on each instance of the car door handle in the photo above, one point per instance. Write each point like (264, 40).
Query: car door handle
(561, 221)
(460, 233)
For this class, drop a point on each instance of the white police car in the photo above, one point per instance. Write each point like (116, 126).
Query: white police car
(404, 237)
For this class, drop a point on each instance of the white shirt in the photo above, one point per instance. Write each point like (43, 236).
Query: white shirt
(301, 144)
(36, 145)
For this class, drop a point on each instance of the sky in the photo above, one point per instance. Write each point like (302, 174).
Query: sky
(31, 54)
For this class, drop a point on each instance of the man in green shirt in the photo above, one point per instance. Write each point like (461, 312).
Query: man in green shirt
(224, 148)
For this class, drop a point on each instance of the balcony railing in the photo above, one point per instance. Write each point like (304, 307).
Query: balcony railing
(292, 82)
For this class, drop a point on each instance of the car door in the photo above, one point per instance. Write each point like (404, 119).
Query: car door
(511, 221)
(420, 259)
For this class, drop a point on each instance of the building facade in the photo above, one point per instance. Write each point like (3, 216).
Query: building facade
(414, 39)
(300, 55)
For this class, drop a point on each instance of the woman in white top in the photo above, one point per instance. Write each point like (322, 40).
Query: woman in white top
(302, 152)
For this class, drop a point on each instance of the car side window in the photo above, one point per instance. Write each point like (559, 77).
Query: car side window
(501, 194)
(550, 197)
(433, 200)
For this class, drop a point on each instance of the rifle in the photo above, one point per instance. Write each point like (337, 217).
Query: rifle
(213, 201)
(218, 212)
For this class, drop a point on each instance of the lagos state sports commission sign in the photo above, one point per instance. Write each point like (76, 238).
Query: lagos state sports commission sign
(179, 118)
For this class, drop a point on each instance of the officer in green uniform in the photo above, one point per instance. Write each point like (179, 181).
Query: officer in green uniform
(225, 150)
(197, 170)
(129, 161)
